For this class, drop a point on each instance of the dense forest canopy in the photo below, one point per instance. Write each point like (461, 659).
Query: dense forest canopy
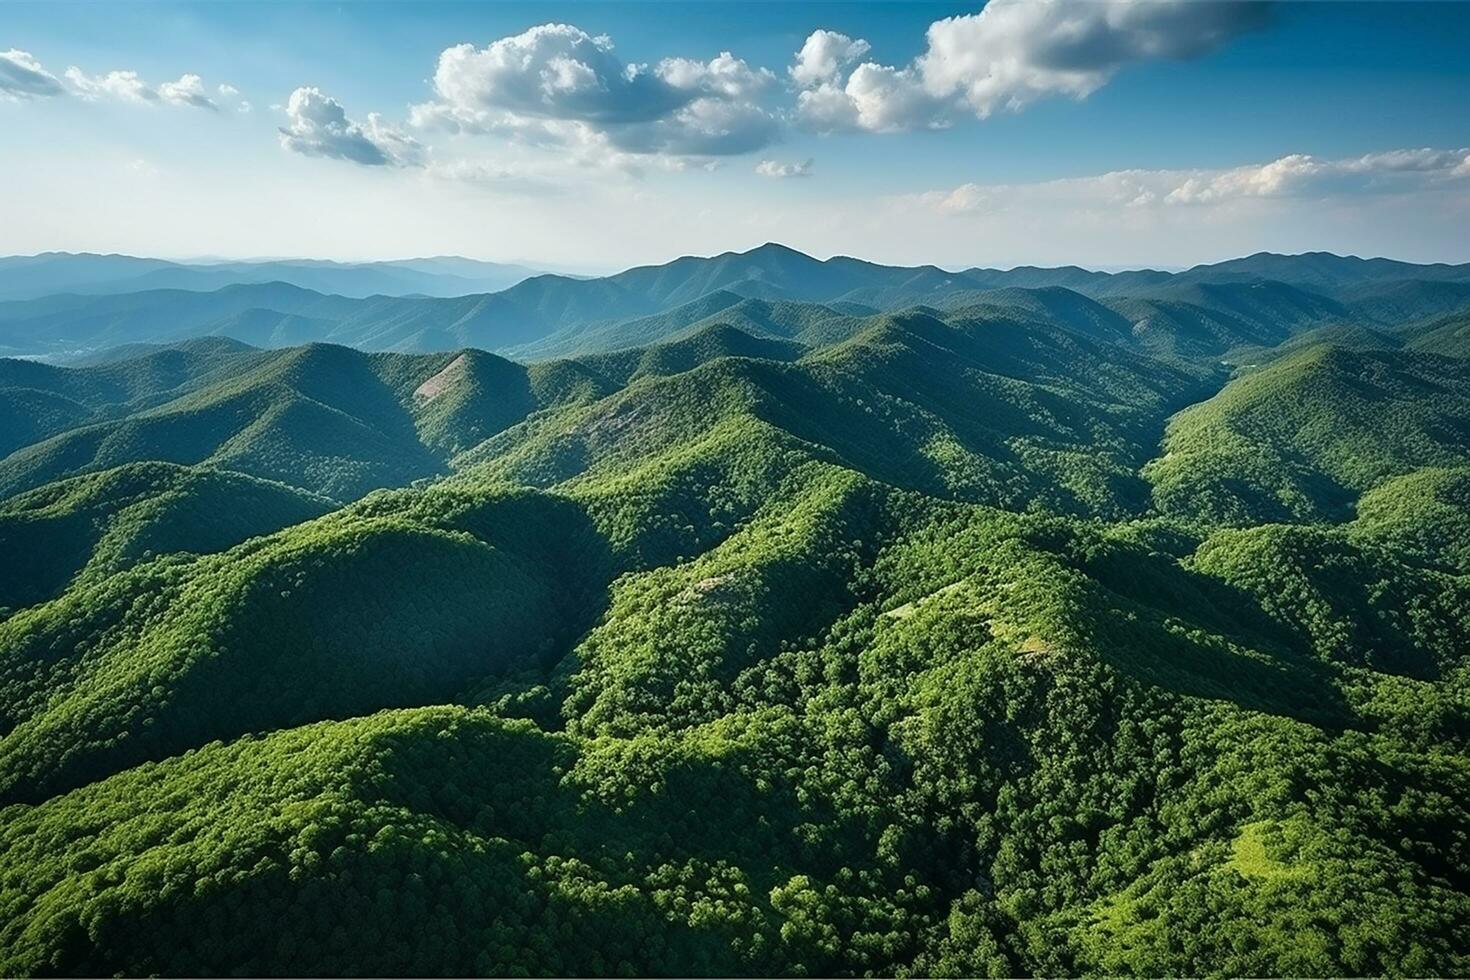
(776, 617)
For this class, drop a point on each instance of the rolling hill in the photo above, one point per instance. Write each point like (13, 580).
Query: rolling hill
(1301, 438)
(92, 526)
(853, 621)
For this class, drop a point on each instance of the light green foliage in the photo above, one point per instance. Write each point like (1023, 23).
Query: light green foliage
(1424, 516)
(1300, 439)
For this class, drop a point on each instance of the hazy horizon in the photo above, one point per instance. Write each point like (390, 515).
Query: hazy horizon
(548, 267)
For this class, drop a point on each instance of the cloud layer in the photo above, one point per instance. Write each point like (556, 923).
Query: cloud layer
(567, 94)
(1408, 171)
(23, 77)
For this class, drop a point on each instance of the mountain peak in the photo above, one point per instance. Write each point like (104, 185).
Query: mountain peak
(776, 249)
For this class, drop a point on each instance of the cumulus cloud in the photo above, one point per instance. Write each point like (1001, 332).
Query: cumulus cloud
(1017, 51)
(317, 125)
(1408, 171)
(725, 76)
(887, 99)
(557, 84)
(824, 54)
(127, 86)
(776, 169)
(22, 77)
(1009, 55)
(556, 71)
(188, 90)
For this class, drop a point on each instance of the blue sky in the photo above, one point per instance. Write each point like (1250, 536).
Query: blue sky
(1102, 134)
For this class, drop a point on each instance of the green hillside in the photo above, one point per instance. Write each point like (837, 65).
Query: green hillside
(1300, 439)
(317, 418)
(1423, 517)
(785, 636)
(91, 526)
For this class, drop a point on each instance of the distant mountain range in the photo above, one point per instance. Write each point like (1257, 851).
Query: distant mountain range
(772, 290)
(30, 276)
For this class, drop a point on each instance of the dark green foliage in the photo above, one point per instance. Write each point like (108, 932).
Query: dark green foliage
(27, 416)
(931, 642)
(102, 523)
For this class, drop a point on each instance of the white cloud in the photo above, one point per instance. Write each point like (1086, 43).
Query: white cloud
(1011, 54)
(318, 126)
(887, 99)
(188, 90)
(725, 75)
(231, 93)
(774, 168)
(124, 86)
(555, 71)
(555, 84)
(22, 77)
(704, 127)
(824, 54)
(1300, 173)
(1409, 171)
(1014, 52)
(128, 86)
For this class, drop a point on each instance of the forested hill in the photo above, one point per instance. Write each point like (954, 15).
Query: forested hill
(838, 625)
(773, 290)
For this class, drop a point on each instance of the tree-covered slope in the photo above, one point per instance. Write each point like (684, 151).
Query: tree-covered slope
(38, 400)
(94, 525)
(316, 417)
(1449, 336)
(1302, 438)
(676, 356)
(1002, 413)
(1423, 516)
(985, 745)
(988, 640)
(367, 609)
